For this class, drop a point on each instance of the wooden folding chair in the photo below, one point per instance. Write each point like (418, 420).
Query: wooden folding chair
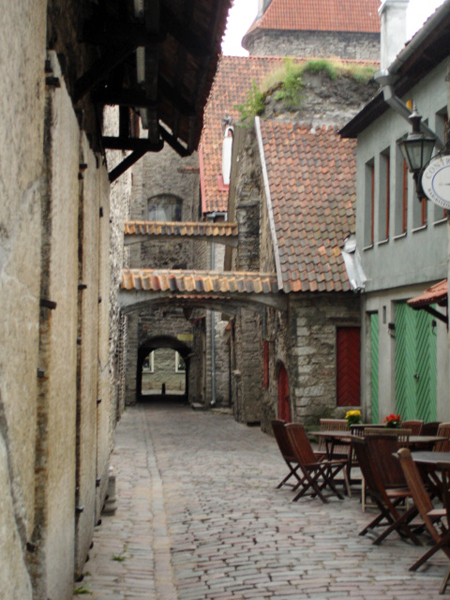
(443, 445)
(387, 495)
(333, 425)
(430, 428)
(317, 474)
(415, 426)
(285, 446)
(431, 516)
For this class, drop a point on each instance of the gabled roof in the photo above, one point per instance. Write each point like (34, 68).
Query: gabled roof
(233, 81)
(311, 179)
(424, 52)
(321, 15)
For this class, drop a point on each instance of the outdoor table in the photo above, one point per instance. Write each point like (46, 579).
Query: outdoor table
(424, 442)
(332, 438)
(429, 463)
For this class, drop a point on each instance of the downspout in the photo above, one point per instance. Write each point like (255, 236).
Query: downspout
(269, 202)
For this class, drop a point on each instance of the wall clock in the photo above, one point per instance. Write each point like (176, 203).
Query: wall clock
(436, 180)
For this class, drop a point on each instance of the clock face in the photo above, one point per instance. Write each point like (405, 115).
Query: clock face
(436, 181)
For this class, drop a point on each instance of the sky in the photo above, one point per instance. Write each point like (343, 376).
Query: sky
(243, 13)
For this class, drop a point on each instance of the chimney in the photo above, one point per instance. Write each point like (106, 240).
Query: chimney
(393, 30)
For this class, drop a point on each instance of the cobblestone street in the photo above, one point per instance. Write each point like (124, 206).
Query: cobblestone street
(199, 517)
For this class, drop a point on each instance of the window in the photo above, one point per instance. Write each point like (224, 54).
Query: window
(165, 207)
(180, 365)
(148, 365)
(401, 195)
(385, 196)
(369, 212)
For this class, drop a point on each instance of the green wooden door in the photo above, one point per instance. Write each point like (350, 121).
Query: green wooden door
(415, 364)
(374, 365)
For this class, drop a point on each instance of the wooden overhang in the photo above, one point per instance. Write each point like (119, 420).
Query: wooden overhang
(156, 59)
(436, 294)
(144, 286)
(142, 231)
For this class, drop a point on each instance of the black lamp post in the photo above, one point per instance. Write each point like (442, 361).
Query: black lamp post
(417, 149)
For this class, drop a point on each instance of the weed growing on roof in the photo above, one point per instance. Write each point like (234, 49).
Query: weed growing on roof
(253, 105)
(287, 85)
(290, 90)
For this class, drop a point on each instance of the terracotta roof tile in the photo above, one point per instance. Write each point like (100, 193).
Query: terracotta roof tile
(321, 15)
(312, 218)
(198, 281)
(182, 229)
(234, 78)
(436, 294)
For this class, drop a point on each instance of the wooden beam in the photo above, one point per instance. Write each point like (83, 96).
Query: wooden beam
(125, 97)
(140, 144)
(174, 143)
(125, 165)
(124, 121)
(184, 107)
(191, 42)
(114, 33)
(100, 69)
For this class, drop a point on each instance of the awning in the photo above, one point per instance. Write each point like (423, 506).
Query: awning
(436, 294)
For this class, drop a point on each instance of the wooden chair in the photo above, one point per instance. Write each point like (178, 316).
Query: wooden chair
(285, 446)
(415, 426)
(430, 428)
(317, 474)
(444, 445)
(333, 425)
(401, 434)
(431, 516)
(388, 494)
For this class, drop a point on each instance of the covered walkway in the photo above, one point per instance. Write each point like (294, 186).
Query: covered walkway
(199, 518)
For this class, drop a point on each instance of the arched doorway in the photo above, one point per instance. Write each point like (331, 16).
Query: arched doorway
(284, 405)
(162, 368)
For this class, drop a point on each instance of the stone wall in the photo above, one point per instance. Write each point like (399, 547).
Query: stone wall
(360, 46)
(55, 356)
(164, 372)
(164, 173)
(22, 44)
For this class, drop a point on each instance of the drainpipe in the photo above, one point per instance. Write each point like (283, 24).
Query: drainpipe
(212, 217)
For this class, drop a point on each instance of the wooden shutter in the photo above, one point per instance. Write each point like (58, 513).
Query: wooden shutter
(374, 360)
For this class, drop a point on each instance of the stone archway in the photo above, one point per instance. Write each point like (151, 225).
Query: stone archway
(158, 342)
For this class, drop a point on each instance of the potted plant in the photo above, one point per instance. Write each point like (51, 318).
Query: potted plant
(393, 421)
(353, 417)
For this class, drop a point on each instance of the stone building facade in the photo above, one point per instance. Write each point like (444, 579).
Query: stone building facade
(316, 28)
(61, 244)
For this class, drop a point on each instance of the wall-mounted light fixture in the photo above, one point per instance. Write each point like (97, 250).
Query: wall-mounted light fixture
(417, 149)
(391, 329)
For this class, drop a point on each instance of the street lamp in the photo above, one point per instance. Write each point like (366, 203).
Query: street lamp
(417, 149)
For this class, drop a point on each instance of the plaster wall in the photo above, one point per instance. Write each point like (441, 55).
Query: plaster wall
(22, 47)
(420, 255)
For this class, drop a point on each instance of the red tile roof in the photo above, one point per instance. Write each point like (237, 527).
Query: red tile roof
(233, 80)
(321, 15)
(161, 280)
(180, 228)
(312, 187)
(436, 294)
